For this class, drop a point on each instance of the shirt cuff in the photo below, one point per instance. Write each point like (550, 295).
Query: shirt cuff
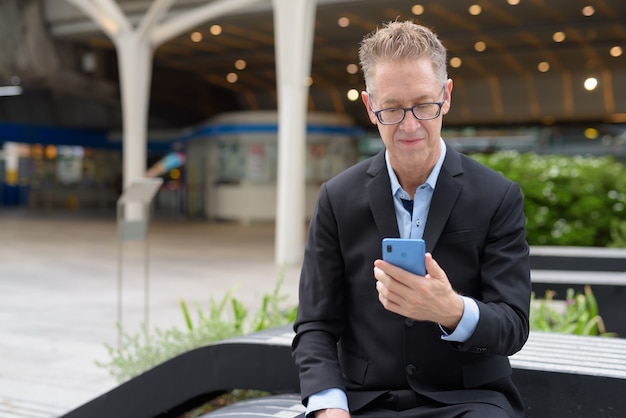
(327, 398)
(467, 324)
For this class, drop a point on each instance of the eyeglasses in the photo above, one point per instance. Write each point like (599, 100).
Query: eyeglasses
(395, 115)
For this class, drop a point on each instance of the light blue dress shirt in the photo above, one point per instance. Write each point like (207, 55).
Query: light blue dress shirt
(409, 226)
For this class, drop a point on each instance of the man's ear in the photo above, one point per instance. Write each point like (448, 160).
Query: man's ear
(365, 97)
(447, 97)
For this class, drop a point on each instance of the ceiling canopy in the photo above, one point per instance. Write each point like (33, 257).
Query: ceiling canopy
(515, 62)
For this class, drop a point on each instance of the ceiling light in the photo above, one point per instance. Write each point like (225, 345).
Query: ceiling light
(456, 62)
(417, 9)
(588, 11)
(513, 2)
(308, 81)
(10, 91)
(591, 83)
(543, 66)
(241, 64)
(616, 51)
(480, 46)
(215, 30)
(475, 10)
(352, 68)
(353, 95)
(558, 36)
(196, 37)
(343, 22)
(232, 77)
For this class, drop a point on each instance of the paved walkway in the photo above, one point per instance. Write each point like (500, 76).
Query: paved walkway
(58, 295)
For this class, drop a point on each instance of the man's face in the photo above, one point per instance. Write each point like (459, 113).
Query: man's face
(411, 144)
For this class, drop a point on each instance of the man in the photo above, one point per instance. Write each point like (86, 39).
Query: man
(373, 340)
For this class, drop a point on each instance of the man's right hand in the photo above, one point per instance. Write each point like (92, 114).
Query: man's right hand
(332, 413)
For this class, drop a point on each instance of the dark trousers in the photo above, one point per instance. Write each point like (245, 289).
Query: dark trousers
(408, 404)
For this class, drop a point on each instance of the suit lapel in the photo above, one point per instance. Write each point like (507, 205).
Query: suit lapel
(446, 193)
(380, 199)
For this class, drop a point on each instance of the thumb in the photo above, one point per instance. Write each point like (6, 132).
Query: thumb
(432, 267)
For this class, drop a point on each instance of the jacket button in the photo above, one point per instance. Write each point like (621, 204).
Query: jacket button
(410, 369)
(409, 322)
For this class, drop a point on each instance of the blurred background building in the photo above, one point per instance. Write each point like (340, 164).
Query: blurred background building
(547, 76)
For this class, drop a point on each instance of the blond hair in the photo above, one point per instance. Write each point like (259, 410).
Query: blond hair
(399, 41)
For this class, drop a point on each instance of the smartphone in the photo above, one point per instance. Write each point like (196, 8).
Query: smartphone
(405, 253)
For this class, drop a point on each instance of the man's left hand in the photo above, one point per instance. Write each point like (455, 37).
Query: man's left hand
(423, 298)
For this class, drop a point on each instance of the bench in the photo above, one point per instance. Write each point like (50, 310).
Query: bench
(558, 375)
(259, 361)
(562, 375)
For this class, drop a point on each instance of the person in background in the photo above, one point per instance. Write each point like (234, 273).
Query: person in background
(373, 340)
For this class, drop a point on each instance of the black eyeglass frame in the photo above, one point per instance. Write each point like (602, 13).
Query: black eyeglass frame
(406, 109)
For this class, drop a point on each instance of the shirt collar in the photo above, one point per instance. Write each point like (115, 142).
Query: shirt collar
(432, 178)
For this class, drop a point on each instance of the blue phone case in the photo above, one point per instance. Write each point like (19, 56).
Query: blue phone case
(407, 254)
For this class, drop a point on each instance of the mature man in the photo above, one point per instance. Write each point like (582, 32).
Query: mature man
(373, 340)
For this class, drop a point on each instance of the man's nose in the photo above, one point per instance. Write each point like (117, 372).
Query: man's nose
(410, 120)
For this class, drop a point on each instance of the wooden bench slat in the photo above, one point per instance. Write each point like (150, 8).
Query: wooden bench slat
(571, 369)
(600, 365)
(595, 356)
(579, 350)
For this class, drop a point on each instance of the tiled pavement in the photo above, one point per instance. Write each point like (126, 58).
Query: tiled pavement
(59, 294)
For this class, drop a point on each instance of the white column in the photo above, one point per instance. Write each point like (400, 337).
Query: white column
(294, 27)
(135, 69)
(134, 49)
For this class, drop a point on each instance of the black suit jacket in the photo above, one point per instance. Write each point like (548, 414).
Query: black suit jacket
(344, 336)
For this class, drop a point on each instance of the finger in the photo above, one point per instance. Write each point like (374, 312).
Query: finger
(380, 274)
(387, 299)
(380, 288)
(432, 267)
(391, 287)
(395, 273)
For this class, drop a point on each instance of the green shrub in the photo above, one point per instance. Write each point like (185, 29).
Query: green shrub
(577, 314)
(618, 234)
(568, 200)
(226, 318)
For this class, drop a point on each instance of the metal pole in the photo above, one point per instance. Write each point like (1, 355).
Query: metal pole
(146, 272)
(119, 276)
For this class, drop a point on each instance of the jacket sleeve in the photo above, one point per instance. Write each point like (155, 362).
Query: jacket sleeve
(505, 282)
(320, 319)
